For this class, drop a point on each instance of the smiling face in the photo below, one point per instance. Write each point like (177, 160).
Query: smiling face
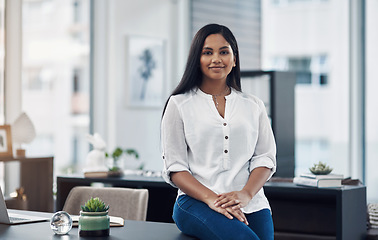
(217, 58)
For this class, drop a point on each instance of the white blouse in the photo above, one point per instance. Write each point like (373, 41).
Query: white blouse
(219, 152)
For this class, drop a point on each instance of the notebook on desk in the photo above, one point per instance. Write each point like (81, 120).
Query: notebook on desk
(7, 218)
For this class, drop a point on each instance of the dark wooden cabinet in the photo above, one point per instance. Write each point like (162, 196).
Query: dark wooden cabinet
(298, 212)
(306, 213)
(36, 177)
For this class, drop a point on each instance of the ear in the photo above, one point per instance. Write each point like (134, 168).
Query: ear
(234, 62)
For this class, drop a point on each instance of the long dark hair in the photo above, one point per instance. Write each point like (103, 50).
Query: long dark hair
(192, 77)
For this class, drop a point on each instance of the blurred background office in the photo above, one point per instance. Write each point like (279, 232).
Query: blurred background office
(76, 67)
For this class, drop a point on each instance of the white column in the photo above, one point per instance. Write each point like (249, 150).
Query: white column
(12, 79)
(111, 74)
(99, 51)
(184, 39)
(13, 59)
(357, 88)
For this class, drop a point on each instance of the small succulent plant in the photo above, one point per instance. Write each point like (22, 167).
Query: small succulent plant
(95, 205)
(320, 169)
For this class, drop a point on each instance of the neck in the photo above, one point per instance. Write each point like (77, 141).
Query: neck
(215, 90)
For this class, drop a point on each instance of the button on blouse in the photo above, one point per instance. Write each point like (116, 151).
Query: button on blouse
(219, 152)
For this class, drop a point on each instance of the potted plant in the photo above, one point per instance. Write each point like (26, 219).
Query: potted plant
(116, 166)
(320, 169)
(94, 220)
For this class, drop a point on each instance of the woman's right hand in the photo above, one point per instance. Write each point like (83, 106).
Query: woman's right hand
(191, 186)
(229, 212)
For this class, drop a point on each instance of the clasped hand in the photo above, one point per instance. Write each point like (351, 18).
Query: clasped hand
(230, 204)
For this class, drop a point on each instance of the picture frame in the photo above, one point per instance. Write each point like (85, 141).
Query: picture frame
(146, 71)
(5, 141)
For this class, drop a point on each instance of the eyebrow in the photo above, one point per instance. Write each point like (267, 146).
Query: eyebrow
(209, 48)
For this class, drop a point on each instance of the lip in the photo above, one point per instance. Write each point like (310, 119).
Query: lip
(217, 67)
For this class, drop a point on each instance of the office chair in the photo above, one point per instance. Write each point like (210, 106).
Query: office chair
(127, 203)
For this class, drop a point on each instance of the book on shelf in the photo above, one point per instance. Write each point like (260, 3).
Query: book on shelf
(320, 183)
(96, 174)
(114, 221)
(327, 176)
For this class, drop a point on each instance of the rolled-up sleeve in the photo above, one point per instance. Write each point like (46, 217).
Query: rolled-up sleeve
(174, 147)
(265, 150)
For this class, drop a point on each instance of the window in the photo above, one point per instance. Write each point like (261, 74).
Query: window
(309, 70)
(55, 79)
(371, 99)
(299, 37)
(283, 3)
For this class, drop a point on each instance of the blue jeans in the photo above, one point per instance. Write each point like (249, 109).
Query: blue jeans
(195, 218)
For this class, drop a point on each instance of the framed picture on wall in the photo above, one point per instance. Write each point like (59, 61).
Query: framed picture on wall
(146, 71)
(5, 141)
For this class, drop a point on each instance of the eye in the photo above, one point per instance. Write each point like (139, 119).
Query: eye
(224, 52)
(207, 53)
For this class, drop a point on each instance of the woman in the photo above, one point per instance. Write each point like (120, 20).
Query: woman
(218, 146)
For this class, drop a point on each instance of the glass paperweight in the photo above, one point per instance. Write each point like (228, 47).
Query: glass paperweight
(61, 223)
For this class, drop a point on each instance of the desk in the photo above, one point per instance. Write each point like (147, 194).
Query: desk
(298, 212)
(133, 230)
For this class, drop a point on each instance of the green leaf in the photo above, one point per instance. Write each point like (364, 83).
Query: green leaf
(117, 153)
(131, 151)
(95, 205)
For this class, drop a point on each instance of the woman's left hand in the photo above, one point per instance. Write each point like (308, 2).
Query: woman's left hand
(235, 199)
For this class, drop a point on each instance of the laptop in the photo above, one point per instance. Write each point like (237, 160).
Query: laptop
(12, 218)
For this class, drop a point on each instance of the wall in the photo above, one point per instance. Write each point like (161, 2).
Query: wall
(127, 126)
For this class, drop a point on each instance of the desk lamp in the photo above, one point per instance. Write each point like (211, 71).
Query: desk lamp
(23, 132)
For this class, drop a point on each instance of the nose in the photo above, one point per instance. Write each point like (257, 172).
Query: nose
(216, 59)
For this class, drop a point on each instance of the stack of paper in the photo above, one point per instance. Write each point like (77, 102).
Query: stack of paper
(321, 181)
(373, 214)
